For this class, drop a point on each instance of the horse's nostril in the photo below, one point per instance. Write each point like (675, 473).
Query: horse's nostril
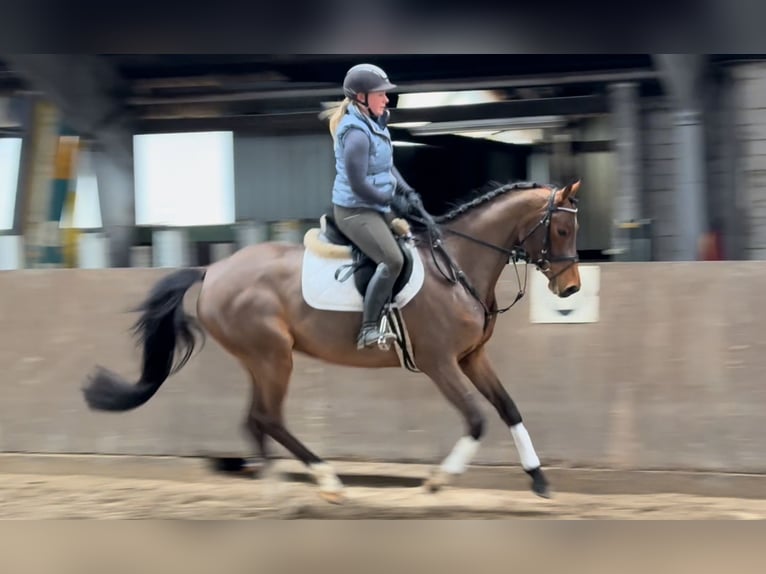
(571, 290)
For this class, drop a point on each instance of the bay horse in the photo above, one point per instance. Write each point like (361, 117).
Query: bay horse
(252, 305)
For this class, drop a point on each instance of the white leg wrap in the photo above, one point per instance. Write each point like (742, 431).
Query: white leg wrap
(523, 443)
(326, 478)
(461, 455)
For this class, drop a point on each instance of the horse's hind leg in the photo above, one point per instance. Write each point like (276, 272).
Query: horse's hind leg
(271, 366)
(449, 380)
(478, 368)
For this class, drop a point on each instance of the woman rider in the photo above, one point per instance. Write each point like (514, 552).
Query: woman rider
(365, 183)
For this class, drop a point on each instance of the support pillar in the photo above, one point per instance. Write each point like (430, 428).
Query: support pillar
(691, 207)
(35, 193)
(114, 174)
(170, 248)
(684, 76)
(92, 250)
(251, 232)
(627, 219)
(561, 163)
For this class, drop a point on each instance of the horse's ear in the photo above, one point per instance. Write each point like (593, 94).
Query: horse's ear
(568, 191)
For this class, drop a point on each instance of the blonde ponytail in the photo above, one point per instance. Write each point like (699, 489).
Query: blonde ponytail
(336, 113)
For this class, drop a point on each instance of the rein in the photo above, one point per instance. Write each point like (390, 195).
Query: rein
(515, 254)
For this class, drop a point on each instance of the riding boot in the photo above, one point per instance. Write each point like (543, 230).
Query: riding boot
(378, 292)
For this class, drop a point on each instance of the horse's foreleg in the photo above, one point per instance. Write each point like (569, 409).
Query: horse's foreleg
(449, 380)
(478, 369)
(255, 429)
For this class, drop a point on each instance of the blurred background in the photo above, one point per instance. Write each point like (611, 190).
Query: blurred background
(159, 160)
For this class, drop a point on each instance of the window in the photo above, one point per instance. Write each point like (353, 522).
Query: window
(10, 157)
(184, 179)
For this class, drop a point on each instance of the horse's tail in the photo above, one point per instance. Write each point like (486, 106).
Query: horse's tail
(162, 327)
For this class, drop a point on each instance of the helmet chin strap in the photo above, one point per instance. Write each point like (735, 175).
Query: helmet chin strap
(366, 104)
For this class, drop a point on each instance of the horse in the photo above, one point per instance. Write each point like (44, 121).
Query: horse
(252, 304)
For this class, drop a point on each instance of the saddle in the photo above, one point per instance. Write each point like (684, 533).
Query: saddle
(363, 267)
(331, 258)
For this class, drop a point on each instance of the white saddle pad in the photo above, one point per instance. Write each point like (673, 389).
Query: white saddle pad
(322, 291)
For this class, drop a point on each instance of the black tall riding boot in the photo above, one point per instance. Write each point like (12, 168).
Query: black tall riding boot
(378, 291)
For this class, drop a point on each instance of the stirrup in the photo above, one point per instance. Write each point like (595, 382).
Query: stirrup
(381, 334)
(386, 334)
(367, 338)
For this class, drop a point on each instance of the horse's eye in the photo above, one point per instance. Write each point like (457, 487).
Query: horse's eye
(562, 232)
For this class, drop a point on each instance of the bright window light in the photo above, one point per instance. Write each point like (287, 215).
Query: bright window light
(406, 125)
(184, 179)
(456, 98)
(520, 137)
(10, 156)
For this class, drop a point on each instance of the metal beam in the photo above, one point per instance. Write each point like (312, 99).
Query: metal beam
(309, 121)
(263, 123)
(334, 91)
(574, 105)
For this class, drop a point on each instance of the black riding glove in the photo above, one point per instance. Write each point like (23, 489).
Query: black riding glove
(413, 198)
(407, 201)
(416, 206)
(401, 205)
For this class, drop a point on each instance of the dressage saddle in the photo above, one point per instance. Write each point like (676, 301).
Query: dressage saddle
(363, 265)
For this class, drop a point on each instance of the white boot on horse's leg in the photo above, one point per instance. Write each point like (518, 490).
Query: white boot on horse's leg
(529, 460)
(455, 463)
(330, 486)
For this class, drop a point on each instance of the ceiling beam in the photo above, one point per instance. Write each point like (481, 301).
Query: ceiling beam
(84, 88)
(309, 120)
(333, 91)
(572, 105)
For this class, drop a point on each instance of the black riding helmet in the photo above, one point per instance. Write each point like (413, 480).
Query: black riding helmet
(363, 79)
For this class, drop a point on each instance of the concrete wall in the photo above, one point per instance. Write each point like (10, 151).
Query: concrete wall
(673, 376)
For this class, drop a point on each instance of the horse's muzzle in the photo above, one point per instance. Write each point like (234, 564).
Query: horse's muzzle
(571, 290)
(565, 282)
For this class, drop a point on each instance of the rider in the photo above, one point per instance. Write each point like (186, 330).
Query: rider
(366, 182)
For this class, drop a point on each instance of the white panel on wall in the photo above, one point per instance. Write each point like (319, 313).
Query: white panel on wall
(184, 179)
(10, 156)
(582, 307)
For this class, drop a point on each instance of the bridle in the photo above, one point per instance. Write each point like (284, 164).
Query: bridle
(517, 253)
(544, 261)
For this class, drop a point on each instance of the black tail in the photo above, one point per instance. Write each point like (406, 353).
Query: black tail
(162, 326)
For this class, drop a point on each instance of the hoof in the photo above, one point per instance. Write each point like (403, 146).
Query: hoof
(332, 497)
(257, 469)
(436, 481)
(238, 466)
(432, 486)
(541, 490)
(540, 484)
